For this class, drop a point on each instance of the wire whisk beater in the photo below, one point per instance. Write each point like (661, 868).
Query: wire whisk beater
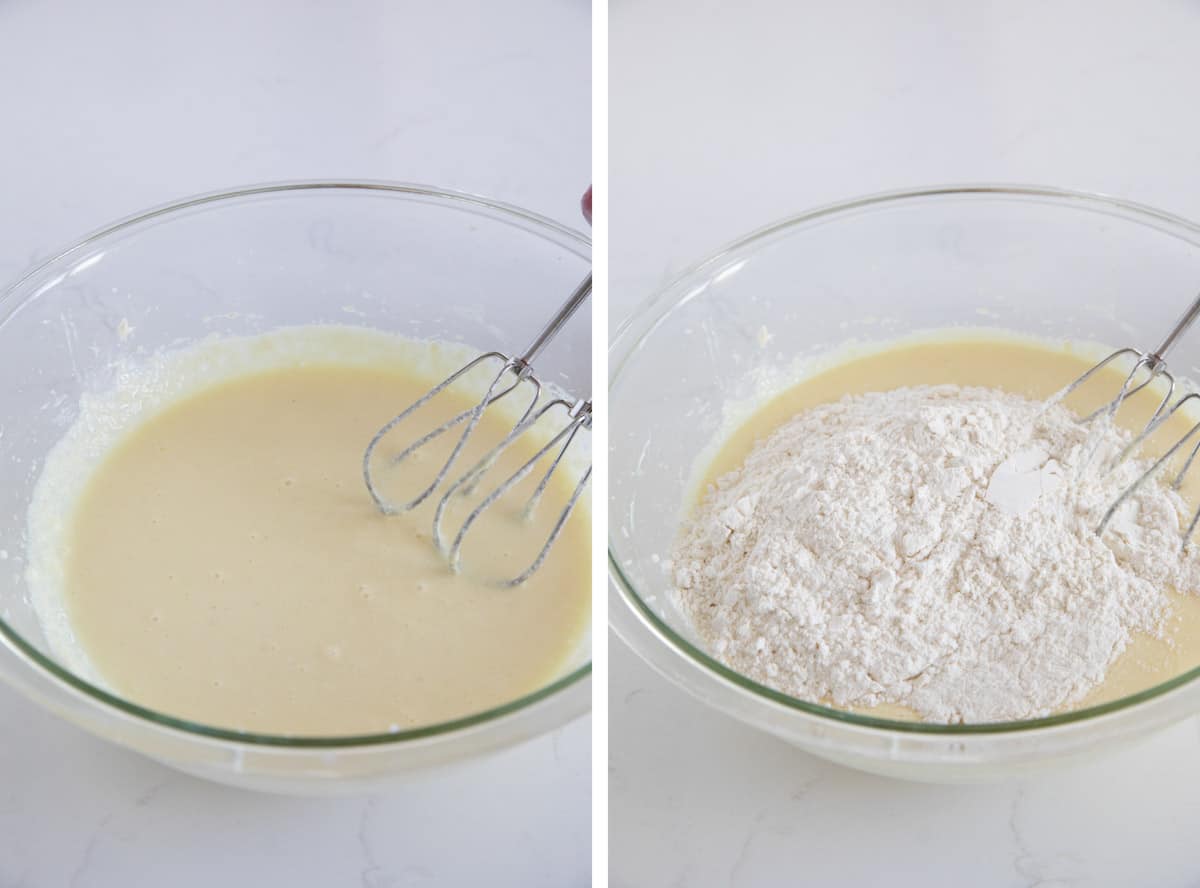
(512, 378)
(1149, 367)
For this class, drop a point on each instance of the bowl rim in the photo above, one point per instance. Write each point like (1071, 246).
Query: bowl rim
(632, 334)
(96, 694)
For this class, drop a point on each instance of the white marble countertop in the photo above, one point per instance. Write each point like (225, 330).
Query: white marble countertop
(759, 110)
(110, 108)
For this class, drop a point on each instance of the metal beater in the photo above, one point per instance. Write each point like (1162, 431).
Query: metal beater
(513, 375)
(1153, 365)
(578, 416)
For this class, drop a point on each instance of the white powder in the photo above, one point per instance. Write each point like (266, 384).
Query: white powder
(933, 547)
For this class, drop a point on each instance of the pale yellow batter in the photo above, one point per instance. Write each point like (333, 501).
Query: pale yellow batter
(225, 563)
(1024, 367)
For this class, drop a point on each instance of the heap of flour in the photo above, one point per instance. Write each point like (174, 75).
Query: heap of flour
(932, 547)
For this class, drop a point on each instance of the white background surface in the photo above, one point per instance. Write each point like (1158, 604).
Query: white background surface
(726, 116)
(107, 108)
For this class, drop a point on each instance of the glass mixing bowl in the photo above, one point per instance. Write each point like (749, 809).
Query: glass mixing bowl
(414, 260)
(1034, 260)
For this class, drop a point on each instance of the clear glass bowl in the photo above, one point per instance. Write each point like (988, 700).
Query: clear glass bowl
(1034, 260)
(405, 258)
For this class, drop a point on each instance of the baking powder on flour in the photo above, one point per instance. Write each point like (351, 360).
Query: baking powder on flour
(932, 547)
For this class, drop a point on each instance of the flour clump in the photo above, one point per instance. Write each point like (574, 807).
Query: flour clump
(932, 547)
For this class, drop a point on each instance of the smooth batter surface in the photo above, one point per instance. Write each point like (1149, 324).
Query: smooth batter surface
(1019, 366)
(225, 564)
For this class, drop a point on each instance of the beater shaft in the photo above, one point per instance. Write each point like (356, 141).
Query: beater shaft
(1185, 320)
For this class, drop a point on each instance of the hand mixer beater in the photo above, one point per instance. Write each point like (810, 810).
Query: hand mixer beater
(1151, 366)
(514, 377)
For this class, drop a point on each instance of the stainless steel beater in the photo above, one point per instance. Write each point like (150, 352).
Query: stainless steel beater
(512, 375)
(1153, 365)
(578, 415)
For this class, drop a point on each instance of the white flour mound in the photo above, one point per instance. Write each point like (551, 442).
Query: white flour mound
(932, 547)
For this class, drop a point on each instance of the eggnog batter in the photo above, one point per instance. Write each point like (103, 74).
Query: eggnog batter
(225, 564)
(1023, 367)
